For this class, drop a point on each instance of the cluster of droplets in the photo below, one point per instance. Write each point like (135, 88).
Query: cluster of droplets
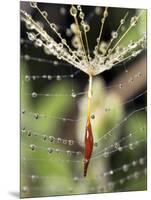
(46, 137)
(47, 77)
(104, 58)
(73, 94)
(110, 186)
(50, 150)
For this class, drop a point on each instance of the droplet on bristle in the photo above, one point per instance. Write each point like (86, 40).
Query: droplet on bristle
(33, 4)
(73, 11)
(44, 13)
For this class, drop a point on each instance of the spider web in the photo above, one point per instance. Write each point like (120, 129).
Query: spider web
(53, 117)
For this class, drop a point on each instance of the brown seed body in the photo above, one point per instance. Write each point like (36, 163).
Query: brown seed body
(88, 145)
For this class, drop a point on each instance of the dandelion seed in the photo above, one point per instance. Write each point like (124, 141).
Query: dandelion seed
(105, 56)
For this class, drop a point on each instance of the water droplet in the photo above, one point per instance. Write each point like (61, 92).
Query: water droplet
(120, 149)
(45, 14)
(72, 75)
(59, 140)
(29, 133)
(34, 77)
(44, 137)
(86, 27)
(47, 50)
(73, 11)
(34, 178)
(32, 147)
(50, 150)
(55, 62)
(57, 150)
(92, 116)
(26, 57)
(44, 76)
(63, 42)
(134, 54)
(76, 179)
(111, 172)
(29, 25)
(134, 20)
(36, 116)
(116, 145)
(65, 141)
(58, 77)
(34, 94)
(70, 142)
(114, 35)
(33, 4)
(69, 153)
(105, 14)
(122, 21)
(27, 78)
(106, 154)
(53, 26)
(79, 7)
(38, 43)
(125, 168)
(31, 36)
(73, 94)
(23, 111)
(134, 163)
(23, 130)
(25, 189)
(131, 146)
(81, 15)
(51, 138)
(121, 181)
(49, 77)
(64, 119)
